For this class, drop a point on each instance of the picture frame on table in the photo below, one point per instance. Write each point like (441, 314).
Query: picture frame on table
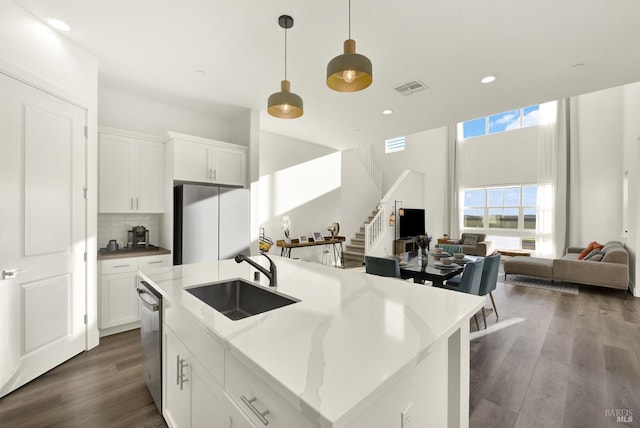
(317, 237)
(303, 239)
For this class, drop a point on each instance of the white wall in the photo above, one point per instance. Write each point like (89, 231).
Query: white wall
(599, 155)
(126, 111)
(301, 180)
(359, 195)
(425, 152)
(631, 163)
(35, 53)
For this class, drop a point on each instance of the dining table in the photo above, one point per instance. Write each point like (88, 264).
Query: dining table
(428, 267)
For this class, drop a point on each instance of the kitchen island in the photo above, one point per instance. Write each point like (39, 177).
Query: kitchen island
(357, 350)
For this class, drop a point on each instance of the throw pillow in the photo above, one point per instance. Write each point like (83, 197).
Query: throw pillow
(594, 256)
(471, 240)
(592, 246)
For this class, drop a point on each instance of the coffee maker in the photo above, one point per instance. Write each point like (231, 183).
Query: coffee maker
(138, 237)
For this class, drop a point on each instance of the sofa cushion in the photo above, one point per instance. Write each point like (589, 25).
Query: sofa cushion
(615, 254)
(592, 246)
(470, 239)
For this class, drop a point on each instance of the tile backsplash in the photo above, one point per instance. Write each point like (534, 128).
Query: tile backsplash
(115, 226)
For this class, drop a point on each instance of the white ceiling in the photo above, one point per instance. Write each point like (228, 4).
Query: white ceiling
(155, 47)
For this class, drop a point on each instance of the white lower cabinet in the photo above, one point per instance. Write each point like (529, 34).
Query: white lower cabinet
(192, 398)
(118, 296)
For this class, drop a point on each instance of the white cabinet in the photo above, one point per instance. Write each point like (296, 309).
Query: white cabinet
(118, 296)
(192, 398)
(202, 160)
(131, 174)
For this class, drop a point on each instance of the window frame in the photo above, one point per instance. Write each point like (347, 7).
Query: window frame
(521, 120)
(485, 209)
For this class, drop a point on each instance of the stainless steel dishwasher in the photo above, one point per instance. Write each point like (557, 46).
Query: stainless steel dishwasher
(150, 303)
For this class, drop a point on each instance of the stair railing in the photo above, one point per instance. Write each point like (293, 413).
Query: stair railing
(374, 229)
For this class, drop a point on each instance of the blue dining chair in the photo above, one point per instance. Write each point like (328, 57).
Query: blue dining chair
(489, 281)
(382, 266)
(469, 281)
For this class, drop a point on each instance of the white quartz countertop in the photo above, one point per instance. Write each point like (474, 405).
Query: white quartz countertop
(350, 335)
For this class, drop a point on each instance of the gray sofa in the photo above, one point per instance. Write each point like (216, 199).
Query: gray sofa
(612, 270)
(474, 244)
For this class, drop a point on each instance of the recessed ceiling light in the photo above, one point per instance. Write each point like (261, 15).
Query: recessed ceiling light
(387, 111)
(488, 79)
(58, 24)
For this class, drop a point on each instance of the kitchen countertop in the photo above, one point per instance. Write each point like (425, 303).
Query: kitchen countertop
(351, 334)
(104, 254)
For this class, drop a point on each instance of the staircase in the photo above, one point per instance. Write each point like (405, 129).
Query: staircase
(354, 252)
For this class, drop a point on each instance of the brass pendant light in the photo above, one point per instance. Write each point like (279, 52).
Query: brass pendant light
(349, 72)
(285, 104)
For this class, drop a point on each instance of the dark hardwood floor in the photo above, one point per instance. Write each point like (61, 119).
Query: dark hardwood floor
(99, 388)
(557, 360)
(552, 360)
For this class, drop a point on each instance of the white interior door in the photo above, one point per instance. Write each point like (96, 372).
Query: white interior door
(42, 220)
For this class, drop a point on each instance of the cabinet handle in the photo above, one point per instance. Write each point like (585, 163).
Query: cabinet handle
(131, 204)
(153, 263)
(180, 365)
(137, 203)
(215, 174)
(260, 415)
(178, 369)
(119, 266)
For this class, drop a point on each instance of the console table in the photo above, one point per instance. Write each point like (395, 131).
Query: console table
(335, 242)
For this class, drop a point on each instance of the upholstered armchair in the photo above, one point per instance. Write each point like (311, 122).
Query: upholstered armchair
(475, 244)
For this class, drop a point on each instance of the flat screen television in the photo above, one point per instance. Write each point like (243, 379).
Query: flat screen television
(412, 222)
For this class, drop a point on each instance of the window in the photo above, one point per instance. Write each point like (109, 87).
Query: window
(394, 145)
(508, 211)
(505, 121)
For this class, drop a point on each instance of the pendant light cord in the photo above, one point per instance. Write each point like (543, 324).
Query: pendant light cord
(285, 53)
(349, 19)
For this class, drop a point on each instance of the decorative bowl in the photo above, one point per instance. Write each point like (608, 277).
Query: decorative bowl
(459, 256)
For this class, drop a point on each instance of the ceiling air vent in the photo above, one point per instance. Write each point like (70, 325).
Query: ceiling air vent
(411, 87)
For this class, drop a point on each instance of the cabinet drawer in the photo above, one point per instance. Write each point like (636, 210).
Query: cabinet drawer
(119, 266)
(244, 386)
(154, 262)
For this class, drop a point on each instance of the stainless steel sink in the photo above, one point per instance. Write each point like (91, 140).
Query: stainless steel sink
(237, 299)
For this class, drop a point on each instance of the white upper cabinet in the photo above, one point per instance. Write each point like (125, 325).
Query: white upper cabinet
(201, 160)
(131, 173)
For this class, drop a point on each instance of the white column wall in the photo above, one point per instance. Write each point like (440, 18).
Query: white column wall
(631, 163)
(301, 180)
(600, 167)
(35, 53)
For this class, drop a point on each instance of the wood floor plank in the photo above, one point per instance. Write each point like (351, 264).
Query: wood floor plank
(545, 397)
(587, 367)
(584, 408)
(490, 415)
(558, 343)
(512, 379)
(623, 379)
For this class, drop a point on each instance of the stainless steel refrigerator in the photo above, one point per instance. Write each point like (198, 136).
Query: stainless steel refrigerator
(210, 223)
